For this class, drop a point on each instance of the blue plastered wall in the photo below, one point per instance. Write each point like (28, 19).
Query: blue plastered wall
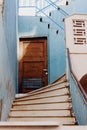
(8, 56)
(30, 26)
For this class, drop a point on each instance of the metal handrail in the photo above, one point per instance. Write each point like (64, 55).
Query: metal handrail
(46, 7)
(52, 4)
(75, 77)
(57, 7)
(45, 15)
(51, 19)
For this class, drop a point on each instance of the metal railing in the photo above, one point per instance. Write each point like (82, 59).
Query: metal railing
(46, 7)
(51, 3)
(51, 19)
(57, 7)
(45, 15)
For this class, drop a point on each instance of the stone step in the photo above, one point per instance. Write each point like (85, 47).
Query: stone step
(34, 125)
(49, 125)
(48, 106)
(58, 84)
(50, 103)
(40, 113)
(56, 99)
(62, 120)
(53, 92)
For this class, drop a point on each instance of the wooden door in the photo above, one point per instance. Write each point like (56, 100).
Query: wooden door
(32, 63)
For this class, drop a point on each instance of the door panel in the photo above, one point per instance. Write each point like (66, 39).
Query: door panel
(33, 69)
(32, 60)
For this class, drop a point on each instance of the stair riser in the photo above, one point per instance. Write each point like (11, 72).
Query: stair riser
(63, 120)
(29, 128)
(52, 88)
(57, 82)
(44, 100)
(51, 103)
(43, 127)
(40, 113)
(42, 106)
(52, 93)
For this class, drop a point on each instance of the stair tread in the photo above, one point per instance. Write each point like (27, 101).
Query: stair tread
(63, 105)
(64, 98)
(47, 89)
(65, 91)
(62, 120)
(31, 123)
(50, 103)
(40, 113)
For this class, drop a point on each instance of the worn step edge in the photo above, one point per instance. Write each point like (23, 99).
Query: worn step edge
(55, 92)
(63, 120)
(45, 99)
(42, 103)
(49, 86)
(32, 123)
(60, 87)
(39, 97)
(63, 105)
(18, 96)
(40, 113)
(53, 109)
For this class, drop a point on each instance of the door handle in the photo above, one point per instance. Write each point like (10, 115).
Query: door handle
(46, 71)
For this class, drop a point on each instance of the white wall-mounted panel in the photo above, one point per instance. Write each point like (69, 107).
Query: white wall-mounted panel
(76, 41)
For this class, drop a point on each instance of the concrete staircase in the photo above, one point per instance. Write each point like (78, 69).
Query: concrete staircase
(51, 103)
(48, 108)
(37, 126)
(29, 125)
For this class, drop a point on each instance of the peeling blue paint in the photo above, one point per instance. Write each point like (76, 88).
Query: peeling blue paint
(8, 57)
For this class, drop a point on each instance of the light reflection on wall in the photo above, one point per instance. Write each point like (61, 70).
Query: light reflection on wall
(27, 11)
(29, 8)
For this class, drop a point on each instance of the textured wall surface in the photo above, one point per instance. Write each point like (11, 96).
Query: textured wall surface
(79, 103)
(76, 41)
(32, 27)
(8, 60)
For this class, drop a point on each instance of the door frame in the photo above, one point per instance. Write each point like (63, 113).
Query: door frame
(26, 37)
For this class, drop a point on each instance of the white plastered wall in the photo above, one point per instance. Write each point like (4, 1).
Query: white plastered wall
(78, 50)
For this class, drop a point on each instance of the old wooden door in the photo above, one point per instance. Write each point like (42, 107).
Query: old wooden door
(32, 63)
